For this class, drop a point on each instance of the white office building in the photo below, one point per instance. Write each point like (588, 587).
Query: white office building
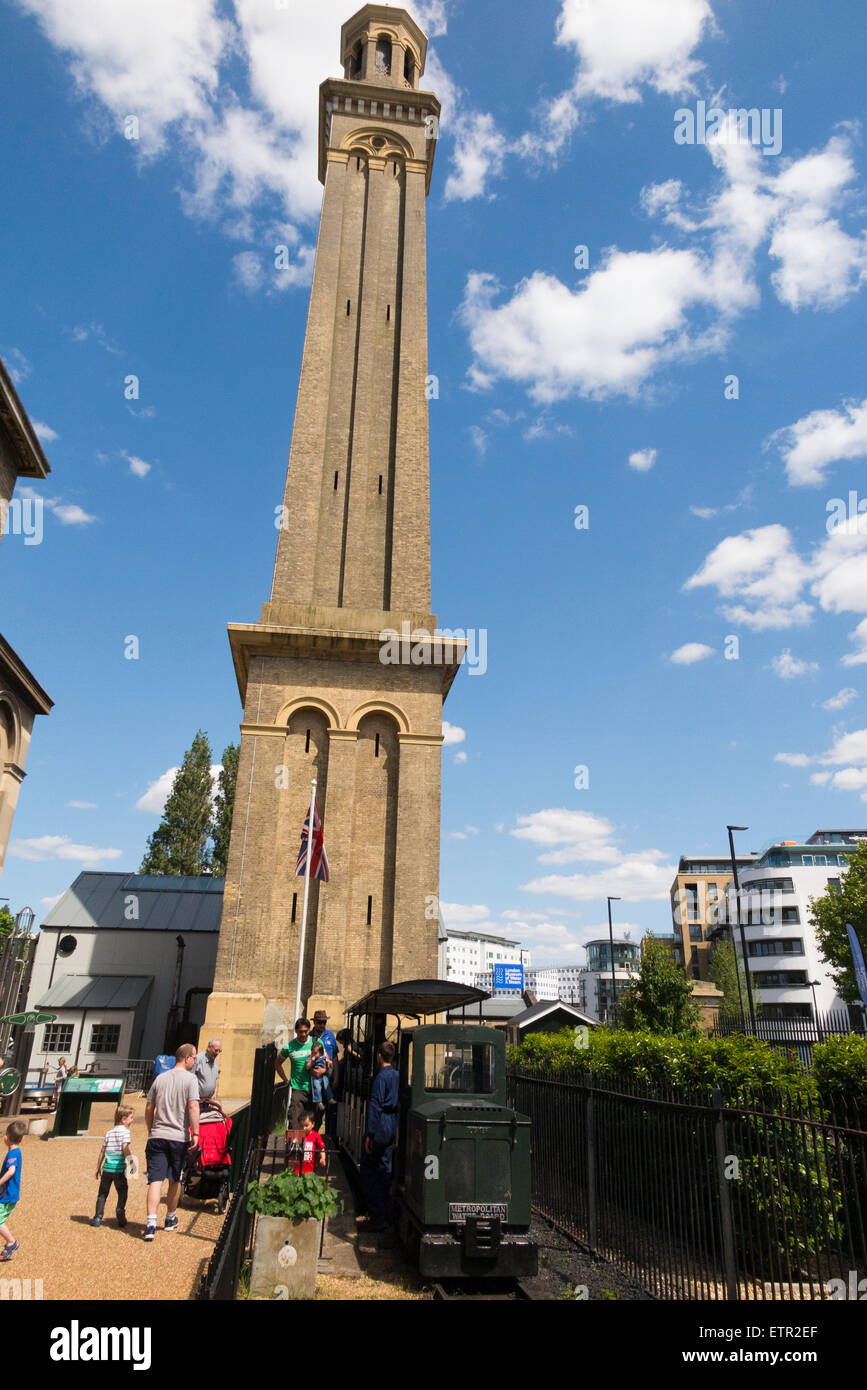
(786, 971)
(468, 954)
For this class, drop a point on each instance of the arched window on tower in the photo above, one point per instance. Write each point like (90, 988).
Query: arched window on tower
(383, 57)
(356, 60)
(408, 68)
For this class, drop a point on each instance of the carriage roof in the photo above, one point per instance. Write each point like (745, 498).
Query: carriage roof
(419, 998)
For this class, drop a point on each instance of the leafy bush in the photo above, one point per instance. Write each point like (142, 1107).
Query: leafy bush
(840, 1067)
(651, 1059)
(292, 1195)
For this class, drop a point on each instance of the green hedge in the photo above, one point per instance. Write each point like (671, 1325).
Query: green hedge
(840, 1068)
(649, 1059)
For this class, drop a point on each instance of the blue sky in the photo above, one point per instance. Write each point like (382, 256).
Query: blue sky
(602, 386)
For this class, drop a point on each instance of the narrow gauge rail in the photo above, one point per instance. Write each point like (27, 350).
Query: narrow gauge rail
(462, 1157)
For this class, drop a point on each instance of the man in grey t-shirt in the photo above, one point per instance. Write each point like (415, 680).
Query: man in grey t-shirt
(205, 1070)
(172, 1108)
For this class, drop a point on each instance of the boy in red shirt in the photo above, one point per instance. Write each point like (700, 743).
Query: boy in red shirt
(311, 1141)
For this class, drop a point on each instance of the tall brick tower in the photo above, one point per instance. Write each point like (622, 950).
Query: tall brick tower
(353, 561)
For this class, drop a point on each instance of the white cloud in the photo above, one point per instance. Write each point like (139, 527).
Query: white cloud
(691, 652)
(814, 443)
(67, 513)
(763, 570)
(789, 667)
(636, 878)
(17, 365)
(83, 805)
(848, 748)
(479, 439)
(841, 699)
(48, 847)
(793, 759)
(625, 320)
(46, 434)
(138, 466)
(704, 512)
(622, 45)
(479, 155)
(820, 778)
(460, 758)
(643, 460)
(154, 799)
(464, 915)
(452, 734)
(568, 836)
(49, 903)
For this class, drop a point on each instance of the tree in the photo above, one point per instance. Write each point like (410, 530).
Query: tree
(660, 999)
(727, 971)
(225, 802)
(179, 845)
(7, 921)
(829, 915)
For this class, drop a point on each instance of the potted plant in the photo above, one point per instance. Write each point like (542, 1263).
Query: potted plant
(290, 1208)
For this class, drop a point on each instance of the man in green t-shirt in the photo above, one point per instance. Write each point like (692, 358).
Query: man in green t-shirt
(298, 1052)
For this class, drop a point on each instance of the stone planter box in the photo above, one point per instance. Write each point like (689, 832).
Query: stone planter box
(285, 1254)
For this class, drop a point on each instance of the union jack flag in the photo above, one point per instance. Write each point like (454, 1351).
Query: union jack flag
(319, 860)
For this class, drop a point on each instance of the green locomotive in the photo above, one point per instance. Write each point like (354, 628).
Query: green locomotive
(462, 1157)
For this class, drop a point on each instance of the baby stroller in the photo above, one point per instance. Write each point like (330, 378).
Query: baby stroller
(208, 1169)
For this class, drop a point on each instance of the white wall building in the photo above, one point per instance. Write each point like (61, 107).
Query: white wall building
(467, 954)
(112, 958)
(782, 950)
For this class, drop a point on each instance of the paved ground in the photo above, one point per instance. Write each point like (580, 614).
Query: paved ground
(74, 1259)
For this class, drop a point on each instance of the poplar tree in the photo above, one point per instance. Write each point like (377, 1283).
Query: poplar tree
(180, 843)
(225, 802)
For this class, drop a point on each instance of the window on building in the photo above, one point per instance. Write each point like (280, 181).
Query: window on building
(712, 892)
(691, 891)
(833, 885)
(695, 933)
(780, 946)
(383, 57)
(57, 1037)
(778, 979)
(105, 1037)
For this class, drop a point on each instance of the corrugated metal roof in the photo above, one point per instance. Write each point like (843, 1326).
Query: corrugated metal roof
(96, 992)
(165, 903)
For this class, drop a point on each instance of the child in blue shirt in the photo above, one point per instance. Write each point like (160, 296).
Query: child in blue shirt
(10, 1183)
(320, 1086)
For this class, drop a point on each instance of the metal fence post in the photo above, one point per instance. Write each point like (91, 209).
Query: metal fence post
(590, 1136)
(725, 1208)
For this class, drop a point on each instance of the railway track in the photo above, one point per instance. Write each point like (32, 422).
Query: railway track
(496, 1290)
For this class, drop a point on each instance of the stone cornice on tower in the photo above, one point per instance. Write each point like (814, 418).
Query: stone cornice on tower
(375, 104)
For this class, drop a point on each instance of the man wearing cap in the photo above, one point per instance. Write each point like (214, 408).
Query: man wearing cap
(324, 1035)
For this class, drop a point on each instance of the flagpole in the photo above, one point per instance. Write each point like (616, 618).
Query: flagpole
(306, 896)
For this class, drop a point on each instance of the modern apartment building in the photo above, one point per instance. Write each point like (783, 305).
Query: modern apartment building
(697, 895)
(595, 986)
(786, 971)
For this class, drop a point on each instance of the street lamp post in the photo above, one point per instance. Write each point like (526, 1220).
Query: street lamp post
(813, 984)
(730, 828)
(611, 940)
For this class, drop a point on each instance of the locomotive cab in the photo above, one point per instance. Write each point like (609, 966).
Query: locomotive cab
(464, 1175)
(462, 1156)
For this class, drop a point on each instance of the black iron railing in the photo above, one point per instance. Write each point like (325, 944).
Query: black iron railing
(701, 1195)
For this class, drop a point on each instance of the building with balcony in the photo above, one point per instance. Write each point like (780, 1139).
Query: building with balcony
(697, 899)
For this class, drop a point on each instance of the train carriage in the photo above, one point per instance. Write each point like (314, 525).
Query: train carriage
(462, 1156)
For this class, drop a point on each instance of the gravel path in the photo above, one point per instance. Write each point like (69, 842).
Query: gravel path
(75, 1260)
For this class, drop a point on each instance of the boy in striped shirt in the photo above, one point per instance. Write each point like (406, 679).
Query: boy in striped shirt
(112, 1165)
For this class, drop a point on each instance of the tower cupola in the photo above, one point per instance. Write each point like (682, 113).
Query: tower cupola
(382, 44)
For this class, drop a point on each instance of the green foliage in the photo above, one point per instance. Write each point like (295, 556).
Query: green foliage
(840, 1067)
(294, 1196)
(726, 971)
(649, 1059)
(660, 999)
(829, 915)
(181, 843)
(7, 921)
(224, 805)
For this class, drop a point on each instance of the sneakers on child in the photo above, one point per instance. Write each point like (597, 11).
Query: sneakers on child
(150, 1232)
(97, 1221)
(171, 1223)
(9, 1251)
